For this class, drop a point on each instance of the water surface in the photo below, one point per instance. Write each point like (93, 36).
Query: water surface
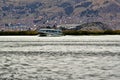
(60, 58)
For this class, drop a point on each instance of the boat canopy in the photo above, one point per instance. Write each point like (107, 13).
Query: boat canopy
(51, 31)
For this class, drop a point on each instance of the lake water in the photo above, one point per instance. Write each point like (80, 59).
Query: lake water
(60, 58)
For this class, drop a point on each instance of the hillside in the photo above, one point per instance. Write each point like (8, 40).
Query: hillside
(93, 26)
(51, 12)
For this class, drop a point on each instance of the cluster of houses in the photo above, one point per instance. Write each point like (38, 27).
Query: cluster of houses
(16, 27)
(24, 27)
(67, 26)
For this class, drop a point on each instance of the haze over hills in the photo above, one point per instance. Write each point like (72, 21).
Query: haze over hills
(52, 12)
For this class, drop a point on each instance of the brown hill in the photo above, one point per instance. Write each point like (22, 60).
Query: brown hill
(60, 11)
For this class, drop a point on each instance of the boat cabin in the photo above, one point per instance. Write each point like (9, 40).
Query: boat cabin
(50, 32)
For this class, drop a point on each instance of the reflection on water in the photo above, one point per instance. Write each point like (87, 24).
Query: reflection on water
(60, 58)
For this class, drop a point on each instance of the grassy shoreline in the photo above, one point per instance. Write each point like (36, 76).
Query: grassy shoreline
(65, 32)
(5, 33)
(79, 32)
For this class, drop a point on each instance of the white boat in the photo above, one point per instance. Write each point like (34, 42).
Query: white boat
(50, 32)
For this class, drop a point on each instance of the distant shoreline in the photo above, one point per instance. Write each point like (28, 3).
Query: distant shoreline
(79, 32)
(7, 33)
(65, 32)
